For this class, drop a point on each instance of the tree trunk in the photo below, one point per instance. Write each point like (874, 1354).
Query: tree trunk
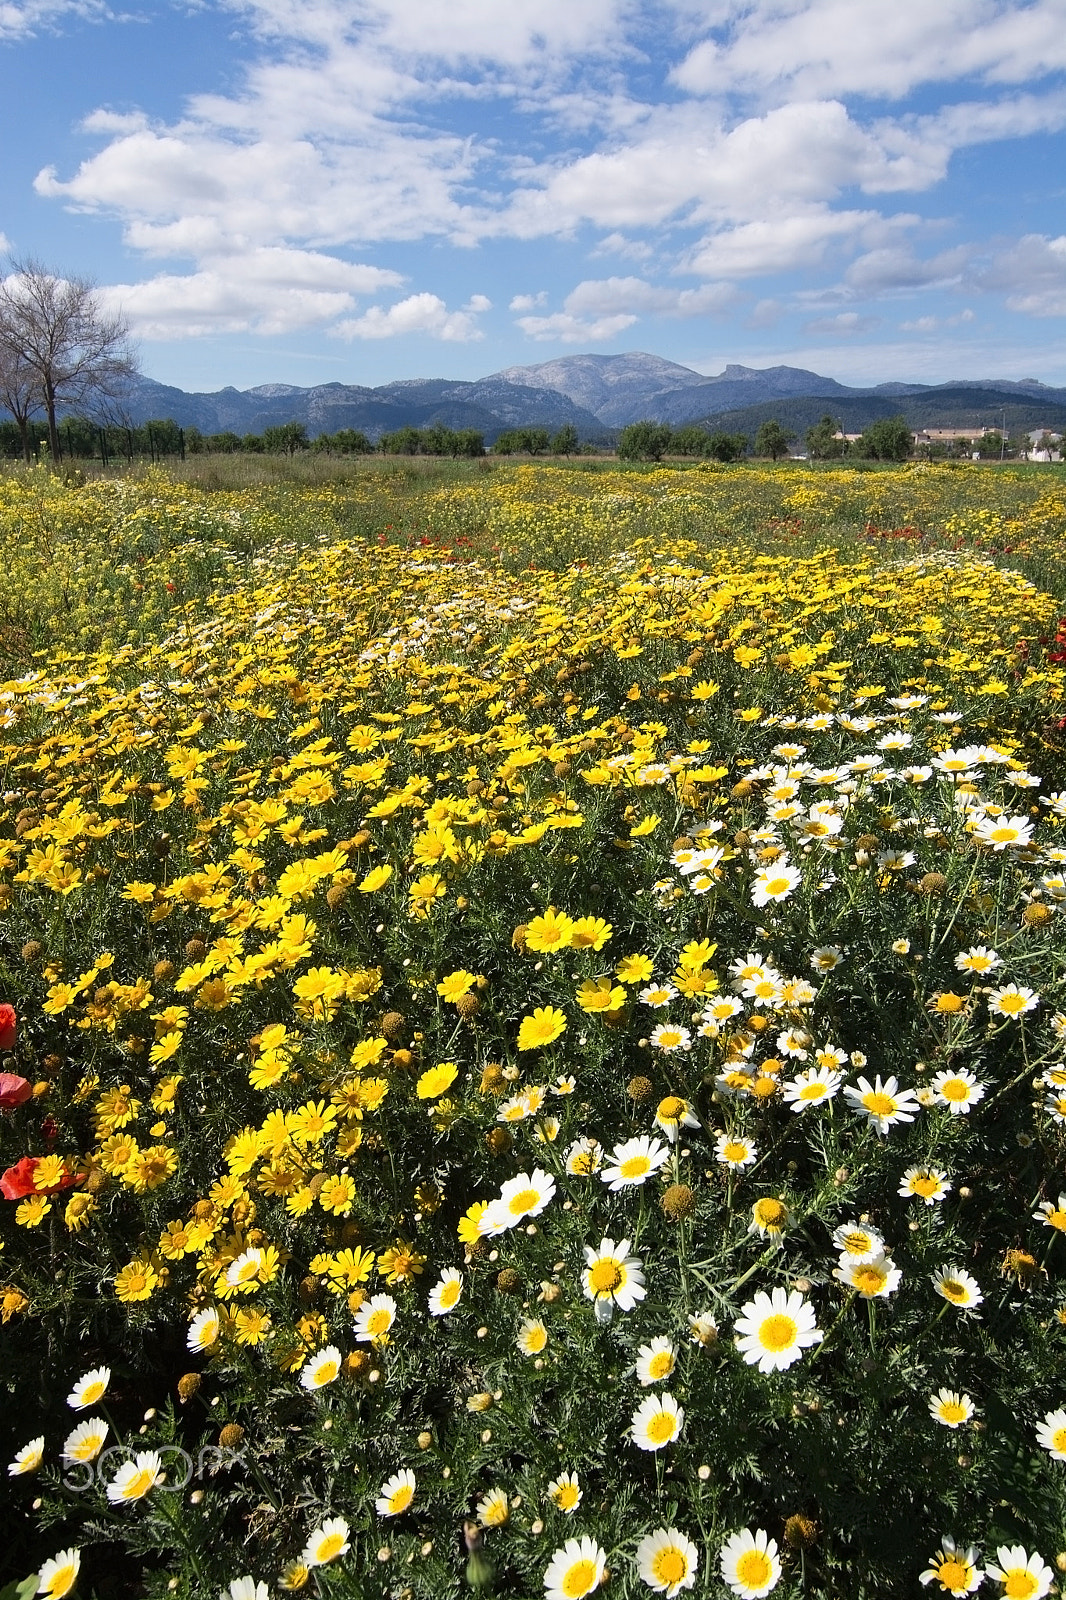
(53, 430)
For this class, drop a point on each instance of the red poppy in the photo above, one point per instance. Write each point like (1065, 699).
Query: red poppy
(13, 1090)
(17, 1182)
(8, 1027)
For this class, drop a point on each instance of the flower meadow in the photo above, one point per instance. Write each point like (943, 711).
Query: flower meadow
(533, 1035)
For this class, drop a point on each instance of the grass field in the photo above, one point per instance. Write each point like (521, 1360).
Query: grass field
(533, 1004)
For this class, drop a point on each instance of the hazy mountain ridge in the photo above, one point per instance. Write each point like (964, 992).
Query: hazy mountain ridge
(600, 394)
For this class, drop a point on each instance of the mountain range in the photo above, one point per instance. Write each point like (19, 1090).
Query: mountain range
(600, 394)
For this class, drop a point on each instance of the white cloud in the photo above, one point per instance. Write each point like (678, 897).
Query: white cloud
(528, 302)
(895, 267)
(424, 314)
(563, 328)
(935, 324)
(18, 18)
(1032, 272)
(778, 245)
(845, 325)
(609, 296)
(267, 291)
(885, 48)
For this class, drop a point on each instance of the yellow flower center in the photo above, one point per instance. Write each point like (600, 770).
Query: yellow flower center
(671, 1108)
(92, 1393)
(775, 886)
(1057, 1219)
(523, 1201)
(400, 1499)
(856, 1243)
(770, 1214)
(882, 1105)
(952, 1411)
(662, 1427)
(379, 1322)
(956, 1089)
(1010, 1005)
(579, 1579)
(734, 1150)
(1020, 1584)
(669, 1565)
(449, 1295)
(661, 1365)
(754, 1569)
(812, 1091)
(924, 1184)
(954, 1574)
(327, 1372)
(567, 1496)
(139, 1485)
(635, 1167)
(1058, 1439)
(330, 1547)
(778, 1332)
(952, 1289)
(605, 1276)
(868, 1280)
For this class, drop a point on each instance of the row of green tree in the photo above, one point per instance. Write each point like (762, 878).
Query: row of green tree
(889, 439)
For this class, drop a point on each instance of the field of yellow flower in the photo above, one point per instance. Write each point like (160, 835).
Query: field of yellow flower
(533, 1035)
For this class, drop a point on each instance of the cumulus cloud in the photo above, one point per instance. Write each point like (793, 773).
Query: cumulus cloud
(424, 314)
(355, 124)
(528, 302)
(935, 324)
(267, 291)
(563, 328)
(1032, 273)
(818, 47)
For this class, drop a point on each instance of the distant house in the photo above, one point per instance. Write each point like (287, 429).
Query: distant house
(1044, 446)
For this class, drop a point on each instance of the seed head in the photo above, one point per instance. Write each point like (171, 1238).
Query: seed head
(678, 1202)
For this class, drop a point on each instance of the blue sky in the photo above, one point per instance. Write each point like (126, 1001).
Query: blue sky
(308, 191)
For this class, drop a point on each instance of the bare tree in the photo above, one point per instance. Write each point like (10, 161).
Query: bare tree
(20, 393)
(56, 330)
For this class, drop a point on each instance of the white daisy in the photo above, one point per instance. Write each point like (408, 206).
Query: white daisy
(245, 1589)
(566, 1493)
(774, 1329)
(59, 1575)
(858, 1241)
(28, 1459)
(812, 1088)
(871, 1280)
(204, 1329)
(656, 1361)
(674, 1113)
(979, 958)
(374, 1318)
(575, 1570)
(958, 1090)
(88, 1390)
(634, 1161)
(322, 1368)
(657, 1422)
(520, 1198)
(86, 1441)
(1012, 1000)
(950, 1408)
(136, 1478)
(657, 995)
(612, 1277)
(1051, 1434)
(957, 1287)
(749, 1563)
(396, 1494)
(667, 1561)
(774, 883)
(930, 1184)
(954, 1568)
(670, 1036)
(445, 1294)
(733, 1150)
(532, 1336)
(327, 1543)
(584, 1157)
(493, 1509)
(882, 1104)
(1020, 1573)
